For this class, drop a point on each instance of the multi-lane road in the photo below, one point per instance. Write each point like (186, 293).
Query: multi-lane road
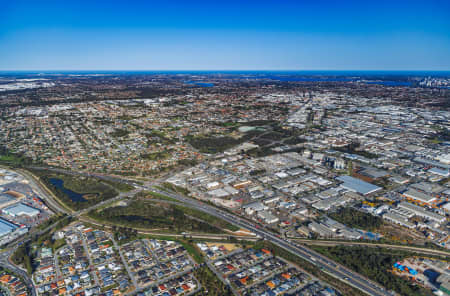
(424, 251)
(322, 262)
(38, 188)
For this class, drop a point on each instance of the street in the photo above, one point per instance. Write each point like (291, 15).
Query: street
(305, 253)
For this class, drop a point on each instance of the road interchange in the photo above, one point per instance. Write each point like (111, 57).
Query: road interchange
(325, 264)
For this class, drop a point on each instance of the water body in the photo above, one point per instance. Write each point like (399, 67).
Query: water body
(74, 196)
(245, 129)
(310, 79)
(201, 84)
(390, 83)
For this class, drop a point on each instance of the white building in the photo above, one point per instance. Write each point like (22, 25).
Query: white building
(421, 212)
(398, 219)
(268, 217)
(21, 209)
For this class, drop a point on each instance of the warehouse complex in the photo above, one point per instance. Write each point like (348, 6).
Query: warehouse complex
(357, 185)
(6, 227)
(21, 209)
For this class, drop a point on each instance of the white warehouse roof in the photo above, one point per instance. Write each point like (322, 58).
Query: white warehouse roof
(419, 211)
(417, 195)
(21, 209)
(358, 185)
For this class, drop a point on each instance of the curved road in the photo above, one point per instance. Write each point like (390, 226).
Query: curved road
(325, 264)
(43, 192)
(5, 262)
(314, 258)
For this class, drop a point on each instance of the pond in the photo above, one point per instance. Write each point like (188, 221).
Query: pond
(74, 196)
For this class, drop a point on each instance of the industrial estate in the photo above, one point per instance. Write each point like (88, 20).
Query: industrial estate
(226, 183)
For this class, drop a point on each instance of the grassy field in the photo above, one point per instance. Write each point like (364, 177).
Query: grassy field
(154, 195)
(122, 187)
(14, 159)
(189, 211)
(192, 250)
(144, 214)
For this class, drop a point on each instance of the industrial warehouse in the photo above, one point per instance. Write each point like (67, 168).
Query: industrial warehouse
(20, 207)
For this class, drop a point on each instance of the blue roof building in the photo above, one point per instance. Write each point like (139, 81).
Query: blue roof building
(357, 185)
(6, 227)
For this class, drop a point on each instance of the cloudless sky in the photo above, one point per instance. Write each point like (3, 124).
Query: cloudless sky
(224, 35)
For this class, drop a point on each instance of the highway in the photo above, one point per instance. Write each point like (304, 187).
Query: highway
(47, 197)
(43, 192)
(373, 245)
(314, 258)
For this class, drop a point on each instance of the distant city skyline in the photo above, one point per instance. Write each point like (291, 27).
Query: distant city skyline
(236, 35)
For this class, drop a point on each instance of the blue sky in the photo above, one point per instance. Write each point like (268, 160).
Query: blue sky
(224, 35)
